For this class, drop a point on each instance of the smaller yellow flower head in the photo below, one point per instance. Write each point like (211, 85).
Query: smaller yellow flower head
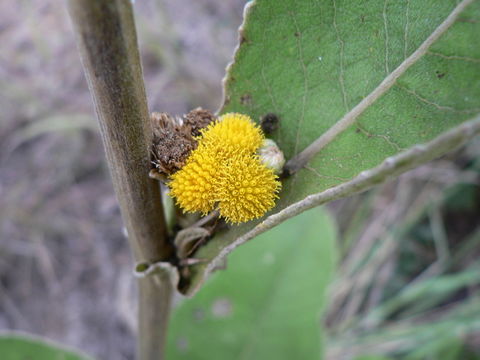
(194, 184)
(232, 133)
(225, 173)
(247, 189)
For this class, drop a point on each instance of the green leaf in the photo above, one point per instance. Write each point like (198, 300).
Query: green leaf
(23, 347)
(267, 303)
(311, 62)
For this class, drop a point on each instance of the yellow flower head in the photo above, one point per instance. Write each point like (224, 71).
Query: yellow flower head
(194, 184)
(233, 133)
(247, 189)
(224, 172)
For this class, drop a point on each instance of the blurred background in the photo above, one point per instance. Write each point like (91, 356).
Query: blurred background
(408, 275)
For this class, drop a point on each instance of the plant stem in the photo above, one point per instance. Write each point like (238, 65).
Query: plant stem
(107, 42)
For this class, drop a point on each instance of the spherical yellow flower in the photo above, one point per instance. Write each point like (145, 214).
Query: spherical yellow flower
(193, 185)
(225, 173)
(247, 189)
(233, 133)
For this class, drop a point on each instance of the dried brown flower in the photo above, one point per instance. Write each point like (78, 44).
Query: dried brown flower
(174, 139)
(172, 143)
(198, 119)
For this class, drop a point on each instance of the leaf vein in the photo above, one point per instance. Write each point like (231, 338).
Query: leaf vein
(342, 46)
(384, 137)
(305, 79)
(454, 57)
(323, 176)
(264, 79)
(405, 37)
(438, 106)
(384, 14)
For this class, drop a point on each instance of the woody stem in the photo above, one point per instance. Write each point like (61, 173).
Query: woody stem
(107, 42)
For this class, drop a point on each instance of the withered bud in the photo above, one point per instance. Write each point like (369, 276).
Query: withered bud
(198, 119)
(172, 143)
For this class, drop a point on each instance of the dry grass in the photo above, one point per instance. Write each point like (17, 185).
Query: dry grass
(409, 276)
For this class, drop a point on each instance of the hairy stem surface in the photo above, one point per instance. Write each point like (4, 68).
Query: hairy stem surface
(107, 42)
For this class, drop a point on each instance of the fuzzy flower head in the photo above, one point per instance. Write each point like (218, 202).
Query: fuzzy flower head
(232, 133)
(194, 185)
(225, 173)
(247, 189)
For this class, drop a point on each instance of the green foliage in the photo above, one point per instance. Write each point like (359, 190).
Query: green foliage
(23, 347)
(267, 304)
(310, 62)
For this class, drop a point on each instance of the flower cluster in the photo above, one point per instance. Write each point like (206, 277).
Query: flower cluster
(225, 173)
